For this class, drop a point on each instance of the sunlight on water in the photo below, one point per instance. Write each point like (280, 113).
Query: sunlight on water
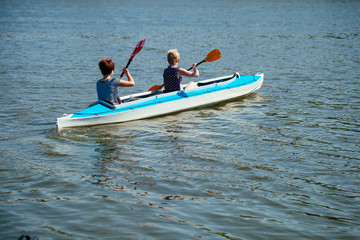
(281, 163)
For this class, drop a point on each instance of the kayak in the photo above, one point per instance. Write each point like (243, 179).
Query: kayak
(156, 103)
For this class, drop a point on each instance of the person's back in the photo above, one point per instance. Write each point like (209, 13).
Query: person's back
(171, 80)
(108, 90)
(108, 87)
(173, 74)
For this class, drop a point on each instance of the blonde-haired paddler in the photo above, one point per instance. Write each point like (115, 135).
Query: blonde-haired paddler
(173, 74)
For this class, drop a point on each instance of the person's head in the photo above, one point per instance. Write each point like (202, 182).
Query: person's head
(173, 56)
(106, 66)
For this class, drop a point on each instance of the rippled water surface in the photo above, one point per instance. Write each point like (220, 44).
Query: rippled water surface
(281, 163)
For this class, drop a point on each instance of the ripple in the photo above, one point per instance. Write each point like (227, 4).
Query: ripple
(277, 164)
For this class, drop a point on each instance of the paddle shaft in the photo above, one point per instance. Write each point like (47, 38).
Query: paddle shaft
(197, 64)
(127, 65)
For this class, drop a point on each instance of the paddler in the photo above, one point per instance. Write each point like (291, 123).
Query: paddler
(108, 87)
(173, 74)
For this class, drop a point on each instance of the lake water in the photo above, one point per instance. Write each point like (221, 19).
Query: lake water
(282, 163)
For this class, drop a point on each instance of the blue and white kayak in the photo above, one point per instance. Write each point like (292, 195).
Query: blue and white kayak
(157, 103)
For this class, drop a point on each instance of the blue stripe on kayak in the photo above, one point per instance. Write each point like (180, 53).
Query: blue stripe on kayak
(98, 109)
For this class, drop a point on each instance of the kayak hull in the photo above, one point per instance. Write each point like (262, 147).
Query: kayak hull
(156, 103)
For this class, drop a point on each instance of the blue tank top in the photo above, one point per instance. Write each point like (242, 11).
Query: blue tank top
(171, 81)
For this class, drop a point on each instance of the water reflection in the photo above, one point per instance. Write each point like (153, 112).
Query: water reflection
(213, 156)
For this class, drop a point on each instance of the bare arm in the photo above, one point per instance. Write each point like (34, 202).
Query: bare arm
(186, 73)
(130, 82)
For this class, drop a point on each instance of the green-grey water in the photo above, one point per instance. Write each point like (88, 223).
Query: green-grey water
(281, 163)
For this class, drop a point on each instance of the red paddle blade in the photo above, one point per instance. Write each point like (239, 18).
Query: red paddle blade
(138, 47)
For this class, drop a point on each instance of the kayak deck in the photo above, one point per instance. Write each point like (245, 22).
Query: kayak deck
(156, 103)
(100, 109)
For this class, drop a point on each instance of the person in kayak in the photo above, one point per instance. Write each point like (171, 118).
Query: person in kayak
(108, 87)
(173, 74)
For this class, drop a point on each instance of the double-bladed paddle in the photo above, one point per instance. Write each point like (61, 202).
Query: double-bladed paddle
(138, 47)
(211, 57)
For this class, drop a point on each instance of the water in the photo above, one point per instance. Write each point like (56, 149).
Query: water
(282, 163)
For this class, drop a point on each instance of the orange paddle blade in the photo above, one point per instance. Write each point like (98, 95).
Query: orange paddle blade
(155, 87)
(213, 55)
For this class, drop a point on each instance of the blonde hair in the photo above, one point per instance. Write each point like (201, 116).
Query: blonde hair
(173, 56)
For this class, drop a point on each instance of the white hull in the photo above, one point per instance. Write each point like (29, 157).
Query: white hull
(138, 111)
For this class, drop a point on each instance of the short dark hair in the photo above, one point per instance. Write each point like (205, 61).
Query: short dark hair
(106, 66)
